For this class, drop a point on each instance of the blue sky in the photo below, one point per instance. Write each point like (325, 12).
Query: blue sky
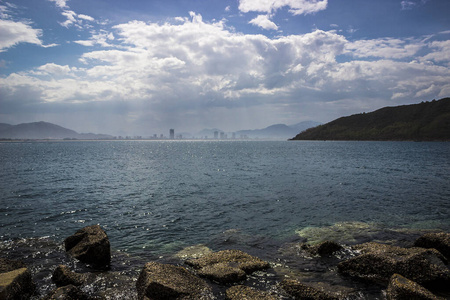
(141, 67)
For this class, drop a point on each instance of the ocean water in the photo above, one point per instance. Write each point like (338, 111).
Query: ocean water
(154, 198)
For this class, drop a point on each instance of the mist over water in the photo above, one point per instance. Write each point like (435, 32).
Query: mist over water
(161, 196)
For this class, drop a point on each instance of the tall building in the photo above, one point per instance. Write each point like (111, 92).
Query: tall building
(172, 134)
(216, 135)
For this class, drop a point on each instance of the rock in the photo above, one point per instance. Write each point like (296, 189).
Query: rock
(223, 273)
(7, 265)
(438, 241)
(302, 291)
(401, 288)
(164, 281)
(68, 292)
(64, 276)
(378, 262)
(227, 261)
(240, 292)
(16, 284)
(326, 248)
(90, 245)
(15, 280)
(195, 251)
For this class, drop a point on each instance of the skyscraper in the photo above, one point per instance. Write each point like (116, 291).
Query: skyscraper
(172, 134)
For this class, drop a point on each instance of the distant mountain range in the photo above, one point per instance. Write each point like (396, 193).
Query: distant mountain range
(426, 121)
(44, 130)
(277, 131)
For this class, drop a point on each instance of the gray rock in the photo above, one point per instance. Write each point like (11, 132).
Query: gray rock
(164, 281)
(68, 292)
(240, 292)
(439, 241)
(378, 262)
(326, 248)
(7, 265)
(15, 280)
(64, 276)
(224, 266)
(16, 284)
(90, 245)
(401, 288)
(302, 291)
(223, 273)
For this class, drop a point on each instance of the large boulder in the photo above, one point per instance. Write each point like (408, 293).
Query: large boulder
(228, 265)
(64, 276)
(439, 241)
(401, 288)
(300, 290)
(90, 245)
(240, 292)
(164, 281)
(15, 280)
(378, 262)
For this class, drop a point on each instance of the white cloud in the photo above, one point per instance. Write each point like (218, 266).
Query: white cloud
(60, 3)
(264, 22)
(70, 16)
(86, 17)
(101, 38)
(441, 51)
(191, 70)
(406, 5)
(13, 33)
(385, 48)
(296, 7)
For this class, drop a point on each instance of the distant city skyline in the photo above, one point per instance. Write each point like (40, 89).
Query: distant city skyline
(141, 67)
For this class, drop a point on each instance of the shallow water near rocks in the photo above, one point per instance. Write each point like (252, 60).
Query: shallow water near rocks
(156, 198)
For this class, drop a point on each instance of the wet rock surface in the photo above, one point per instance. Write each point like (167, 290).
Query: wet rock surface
(326, 248)
(228, 265)
(16, 281)
(240, 292)
(300, 290)
(165, 281)
(401, 288)
(378, 262)
(64, 276)
(223, 273)
(90, 245)
(16, 284)
(439, 241)
(295, 271)
(68, 292)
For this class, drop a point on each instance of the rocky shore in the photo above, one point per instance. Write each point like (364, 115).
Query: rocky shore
(420, 271)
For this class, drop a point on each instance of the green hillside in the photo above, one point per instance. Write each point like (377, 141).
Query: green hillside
(426, 121)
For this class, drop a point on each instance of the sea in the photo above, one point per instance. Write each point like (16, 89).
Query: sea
(157, 199)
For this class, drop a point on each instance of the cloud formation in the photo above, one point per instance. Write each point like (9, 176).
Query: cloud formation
(264, 22)
(296, 7)
(173, 74)
(13, 33)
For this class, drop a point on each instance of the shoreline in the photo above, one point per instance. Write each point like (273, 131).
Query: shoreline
(293, 260)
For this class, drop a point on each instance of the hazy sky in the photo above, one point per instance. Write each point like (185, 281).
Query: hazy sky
(144, 66)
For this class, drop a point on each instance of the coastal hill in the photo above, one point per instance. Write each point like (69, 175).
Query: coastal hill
(44, 130)
(426, 121)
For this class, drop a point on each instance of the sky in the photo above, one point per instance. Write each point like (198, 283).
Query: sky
(140, 67)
